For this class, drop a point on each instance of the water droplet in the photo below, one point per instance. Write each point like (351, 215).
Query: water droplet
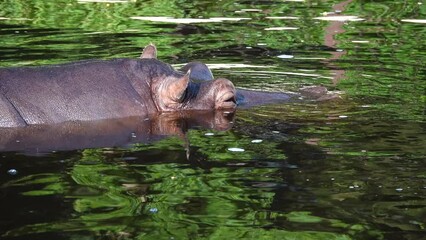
(236, 149)
(257, 141)
(12, 171)
(332, 179)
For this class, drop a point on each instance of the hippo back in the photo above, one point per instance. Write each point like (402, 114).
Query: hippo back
(87, 90)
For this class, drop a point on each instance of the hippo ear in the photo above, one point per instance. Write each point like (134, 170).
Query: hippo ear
(178, 87)
(149, 51)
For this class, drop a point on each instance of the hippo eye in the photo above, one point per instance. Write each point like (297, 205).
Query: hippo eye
(183, 96)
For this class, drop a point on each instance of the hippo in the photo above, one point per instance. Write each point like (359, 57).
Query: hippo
(94, 90)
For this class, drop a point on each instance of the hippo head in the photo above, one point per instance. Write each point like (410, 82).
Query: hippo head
(176, 91)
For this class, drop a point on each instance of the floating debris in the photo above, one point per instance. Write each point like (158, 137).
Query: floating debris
(209, 134)
(257, 141)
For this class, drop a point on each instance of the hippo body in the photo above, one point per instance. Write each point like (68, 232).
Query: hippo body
(84, 91)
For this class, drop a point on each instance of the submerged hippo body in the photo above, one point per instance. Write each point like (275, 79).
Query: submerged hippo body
(94, 90)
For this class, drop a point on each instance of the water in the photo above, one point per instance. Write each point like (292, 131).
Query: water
(352, 168)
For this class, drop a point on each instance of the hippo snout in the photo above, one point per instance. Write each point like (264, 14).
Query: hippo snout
(226, 94)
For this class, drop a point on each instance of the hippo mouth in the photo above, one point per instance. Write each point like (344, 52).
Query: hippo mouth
(227, 100)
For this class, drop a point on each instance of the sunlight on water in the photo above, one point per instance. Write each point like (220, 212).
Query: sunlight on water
(227, 65)
(285, 73)
(414, 20)
(188, 20)
(283, 17)
(340, 18)
(105, 1)
(280, 28)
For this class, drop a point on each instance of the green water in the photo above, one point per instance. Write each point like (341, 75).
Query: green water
(351, 168)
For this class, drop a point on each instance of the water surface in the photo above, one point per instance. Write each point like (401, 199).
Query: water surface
(352, 168)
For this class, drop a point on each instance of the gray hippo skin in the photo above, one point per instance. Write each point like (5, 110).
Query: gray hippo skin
(95, 90)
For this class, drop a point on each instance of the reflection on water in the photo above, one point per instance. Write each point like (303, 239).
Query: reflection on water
(109, 133)
(348, 169)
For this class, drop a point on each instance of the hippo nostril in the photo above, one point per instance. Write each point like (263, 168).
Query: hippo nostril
(227, 100)
(231, 99)
(227, 97)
